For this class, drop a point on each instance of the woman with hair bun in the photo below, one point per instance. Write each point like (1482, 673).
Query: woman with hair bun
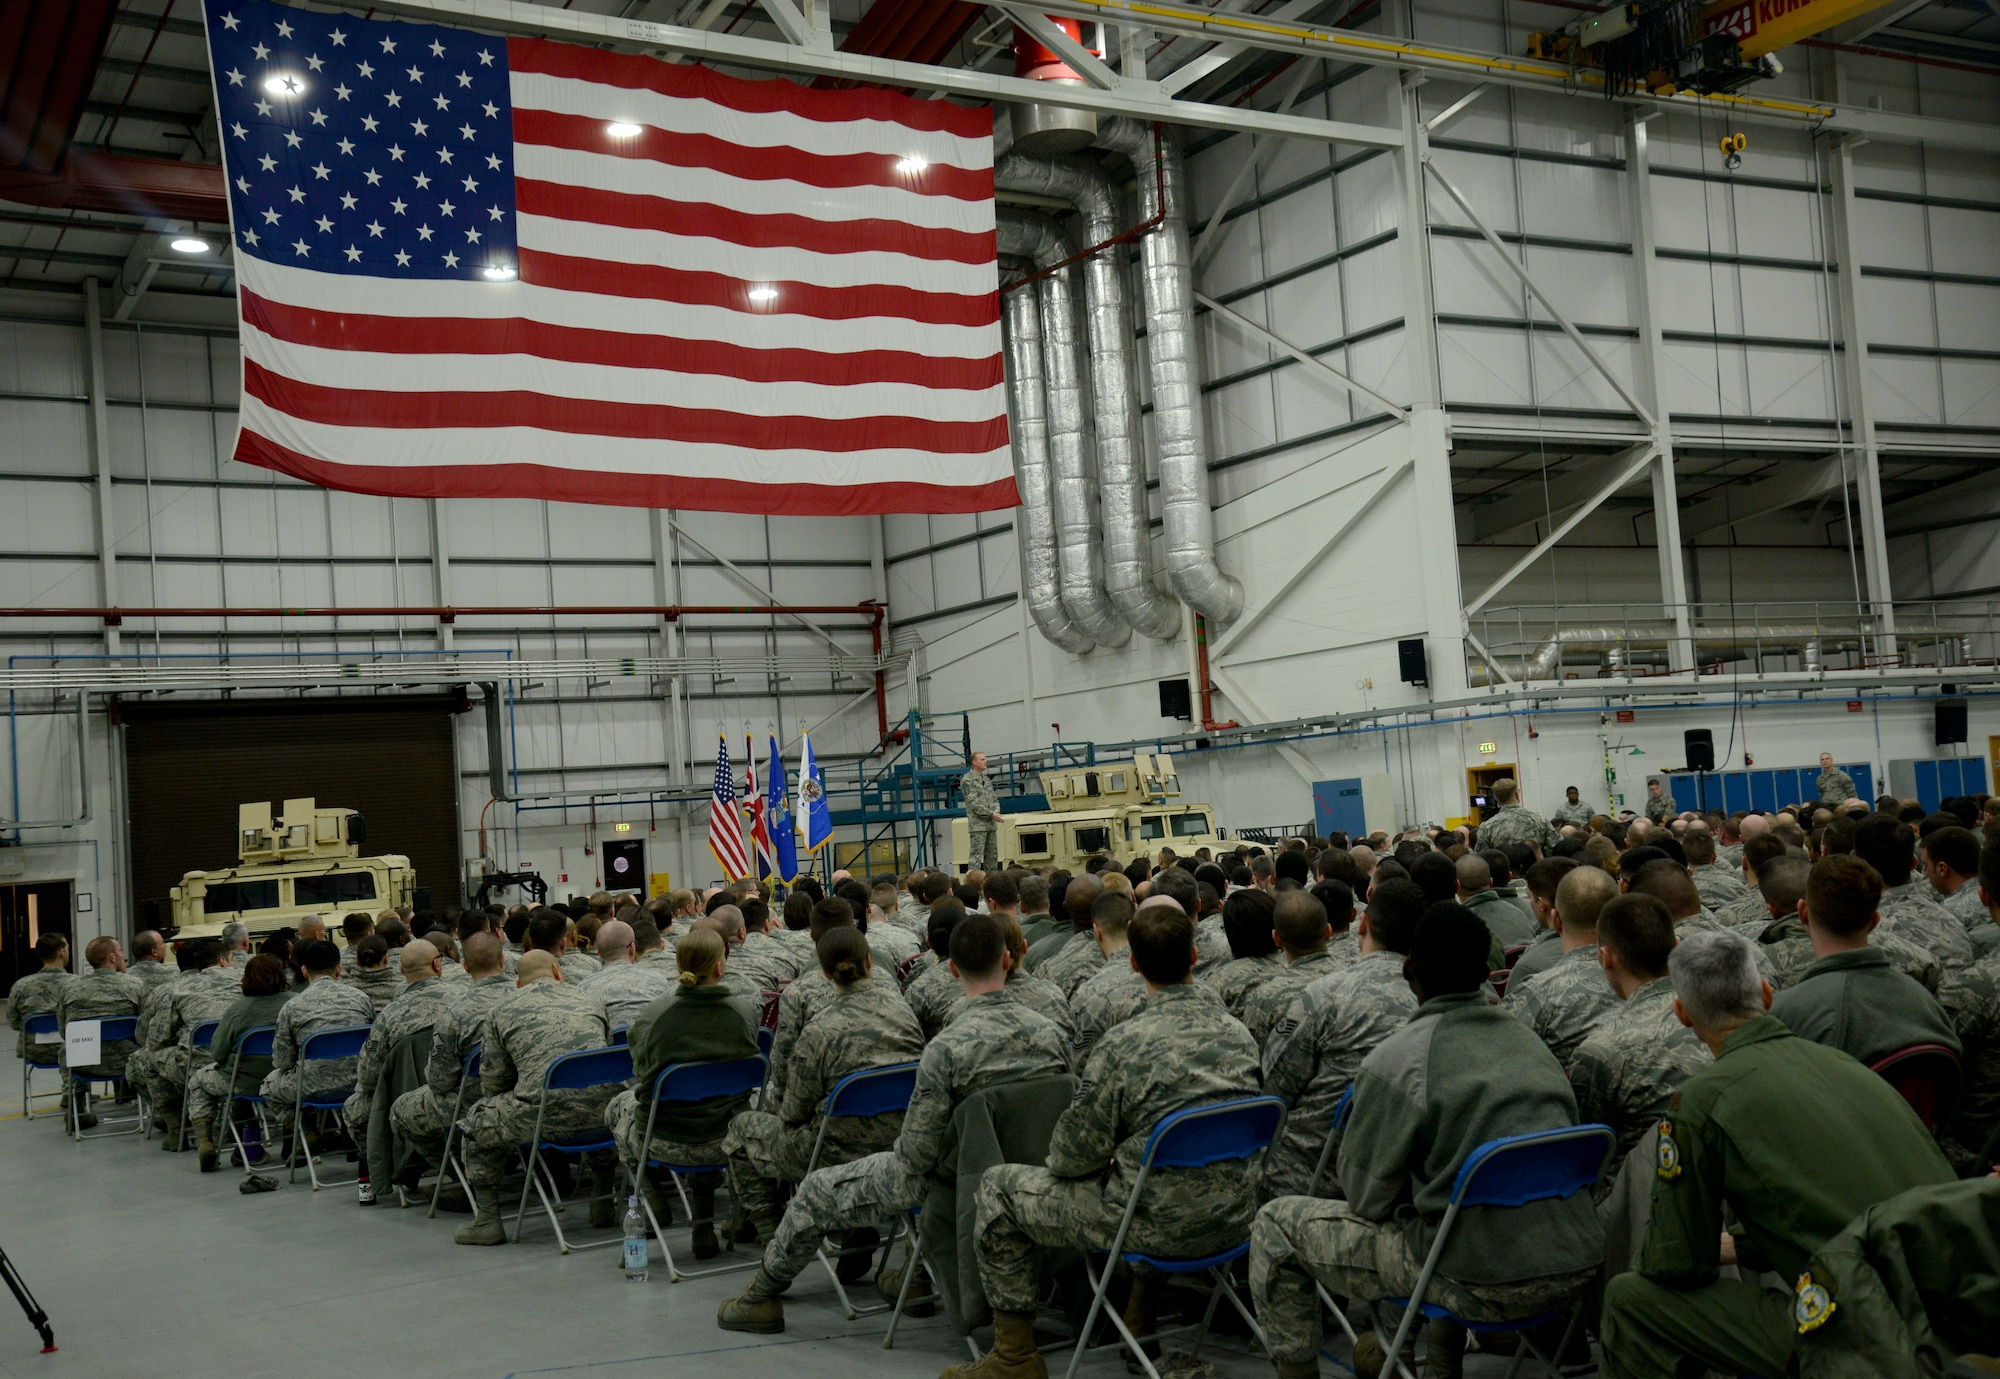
(693, 1023)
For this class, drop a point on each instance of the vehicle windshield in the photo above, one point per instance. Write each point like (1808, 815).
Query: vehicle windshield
(233, 897)
(333, 888)
(1190, 825)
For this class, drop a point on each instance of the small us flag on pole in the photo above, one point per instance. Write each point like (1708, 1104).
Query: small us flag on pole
(472, 266)
(725, 820)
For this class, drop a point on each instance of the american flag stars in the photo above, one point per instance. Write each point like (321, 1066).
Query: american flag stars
(341, 162)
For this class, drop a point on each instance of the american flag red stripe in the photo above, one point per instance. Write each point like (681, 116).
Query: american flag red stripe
(767, 299)
(725, 818)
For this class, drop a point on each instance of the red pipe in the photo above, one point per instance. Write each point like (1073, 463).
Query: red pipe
(881, 687)
(114, 617)
(1208, 721)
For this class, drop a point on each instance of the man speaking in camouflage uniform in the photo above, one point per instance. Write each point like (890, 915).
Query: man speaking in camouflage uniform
(982, 813)
(994, 1038)
(1180, 1051)
(547, 1018)
(1512, 822)
(1835, 785)
(423, 1116)
(1573, 810)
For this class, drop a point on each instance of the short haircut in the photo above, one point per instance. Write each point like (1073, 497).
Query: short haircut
(1078, 897)
(1437, 874)
(726, 920)
(856, 895)
(1668, 882)
(756, 913)
(1761, 849)
(1336, 897)
(1112, 914)
(977, 944)
(546, 930)
(99, 950)
(1888, 845)
(193, 956)
(1842, 895)
(1637, 859)
(319, 956)
(1639, 930)
(945, 916)
(147, 943)
(1034, 892)
(1699, 846)
(357, 926)
(1162, 944)
(1180, 887)
(393, 933)
(1262, 866)
(515, 926)
(798, 910)
(1292, 866)
(1504, 789)
(235, 934)
(1000, 891)
(483, 954)
(1783, 884)
(1300, 919)
(1247, 921)
(1716, 979)
(1581, 897)
(1449, 952)
(715, 902)
(265, 976)
(1547, 874)
(1954, 846)
(830, 914)
(1394, 908)
(930, 887)
(1474, 873)
(1210, 874)
(843, 953)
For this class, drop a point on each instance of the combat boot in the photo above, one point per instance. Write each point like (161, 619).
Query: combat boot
(485, 1227)
(604, 1211)
(1013, 1355)
(857, 1254)
(1142, 1318)
(1444, 1349)
(204, 1143)
(1371, 1357)
(758, 1309)
(921, 1302)
(702, 1191)
(1299, 1369)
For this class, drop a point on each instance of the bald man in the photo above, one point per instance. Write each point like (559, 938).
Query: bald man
(413, 1012)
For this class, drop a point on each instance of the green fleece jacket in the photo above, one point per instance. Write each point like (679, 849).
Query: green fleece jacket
(248, 1013)
(692, 1024)
(1858, 1002)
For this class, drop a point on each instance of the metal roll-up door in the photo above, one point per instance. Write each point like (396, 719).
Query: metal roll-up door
(188, 766)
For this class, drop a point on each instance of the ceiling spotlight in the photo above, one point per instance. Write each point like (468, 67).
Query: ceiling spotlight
(621, 129)
(763, 294)
(189, 244)
(499, 272)
(284, 84)
(912, 164)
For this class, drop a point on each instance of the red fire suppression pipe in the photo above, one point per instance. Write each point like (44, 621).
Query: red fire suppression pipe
(1208, 722)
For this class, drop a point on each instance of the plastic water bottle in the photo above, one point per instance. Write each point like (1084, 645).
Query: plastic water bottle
(637, 1268)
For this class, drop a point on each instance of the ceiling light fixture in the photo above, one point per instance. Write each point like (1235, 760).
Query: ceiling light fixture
(189, 244)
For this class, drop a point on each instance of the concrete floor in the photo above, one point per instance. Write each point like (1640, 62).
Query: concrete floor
(150, 1269)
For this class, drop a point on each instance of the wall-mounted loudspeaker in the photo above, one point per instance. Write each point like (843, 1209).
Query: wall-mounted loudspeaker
(1700, 749)
(1950, 722)
(1176, 700)
(1410, 655)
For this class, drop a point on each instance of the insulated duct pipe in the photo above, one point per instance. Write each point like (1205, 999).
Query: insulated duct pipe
(1079, 548)
(1170, 347)
(1029, 432)
(1546, 662)
(1121, 455)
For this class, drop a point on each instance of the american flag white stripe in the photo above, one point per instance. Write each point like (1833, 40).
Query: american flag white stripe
(725, 819)
(768, 298)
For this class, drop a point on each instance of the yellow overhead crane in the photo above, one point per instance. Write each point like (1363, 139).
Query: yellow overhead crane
(1710, 46)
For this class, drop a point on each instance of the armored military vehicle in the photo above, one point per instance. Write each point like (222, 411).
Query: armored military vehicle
(1125, 808)
(307, 862)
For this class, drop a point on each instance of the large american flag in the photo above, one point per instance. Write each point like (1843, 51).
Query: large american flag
(484, 267)
(725, 818)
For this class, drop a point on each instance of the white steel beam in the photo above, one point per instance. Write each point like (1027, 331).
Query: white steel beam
(100, 457)
(1140, 100)
(1520, 271)
(1300, 353)
(1195, 68)
(1219, 222)
(735, 572)
(1866, 454)
(1550, 502)
(790, 21)
(1801, 484)
(1635, 459)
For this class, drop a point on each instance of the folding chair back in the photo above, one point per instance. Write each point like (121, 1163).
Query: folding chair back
(120, 1027)
(588, 1068)
(252, 1043)
(683, 1083)
(328, 1044)
(707, 1081)
(572, 1072)
(110, 1031)
(622, 1036)
(1342, 1109)
(256, 1043)
(38, 1029)
(323, 1046)
(468, 1076)
(1928, 1076)
(867, 1092)
(40, 1024)
(1219, 1133)
(203, 1034)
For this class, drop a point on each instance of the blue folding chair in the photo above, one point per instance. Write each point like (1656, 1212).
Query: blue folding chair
(202, 1036)
(682, 1083)
(868, 1092)
(573, 1072)
(1512, 1172)
(255, 1043)
(44, 1030)
(1223, 1132)
(322, 1046)
(622, 1035)
(468, 1076)
(1342, 1109)
(122, 1028)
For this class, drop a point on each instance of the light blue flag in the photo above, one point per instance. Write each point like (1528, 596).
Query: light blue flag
(784, 833)
(815, 819)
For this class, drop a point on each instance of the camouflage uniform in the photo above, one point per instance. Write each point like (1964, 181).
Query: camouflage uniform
(422, 1115)
(1211, 947)
(1579, 814)
(869, 1025)
(1564, 1004)
(1835, 785)
(1515, 823)
(981, 804)
(1313, 1054)
(996, 1038)
(1269, 1003)
(1239, 980)
(1112, 996)
(1627, 1070)
(167, 1021)
(1075, 964)
(911, 913)
(1660, 807)
(543, 1021)
(452, 972)
(803, 1000)
(1180, 1051)
(102, 994)
(1042, 997)
(773, 958)
(932, 997)
(155, 973)
(380, 985)
(578, 965)
(1784, 951)
(626, 988)
(420, 1007)
(1748, 908)
(326, 1004)
(1909, 914)
(1707, 923)
(1718, 885)
(890, 947)
(1543, 950)
(38, 993)
(1972, 1000)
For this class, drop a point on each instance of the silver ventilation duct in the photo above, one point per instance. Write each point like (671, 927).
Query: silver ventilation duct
(1079, 549)
(1121, 456)
(1170, 348)
(1621, 641)
(1040, 583)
